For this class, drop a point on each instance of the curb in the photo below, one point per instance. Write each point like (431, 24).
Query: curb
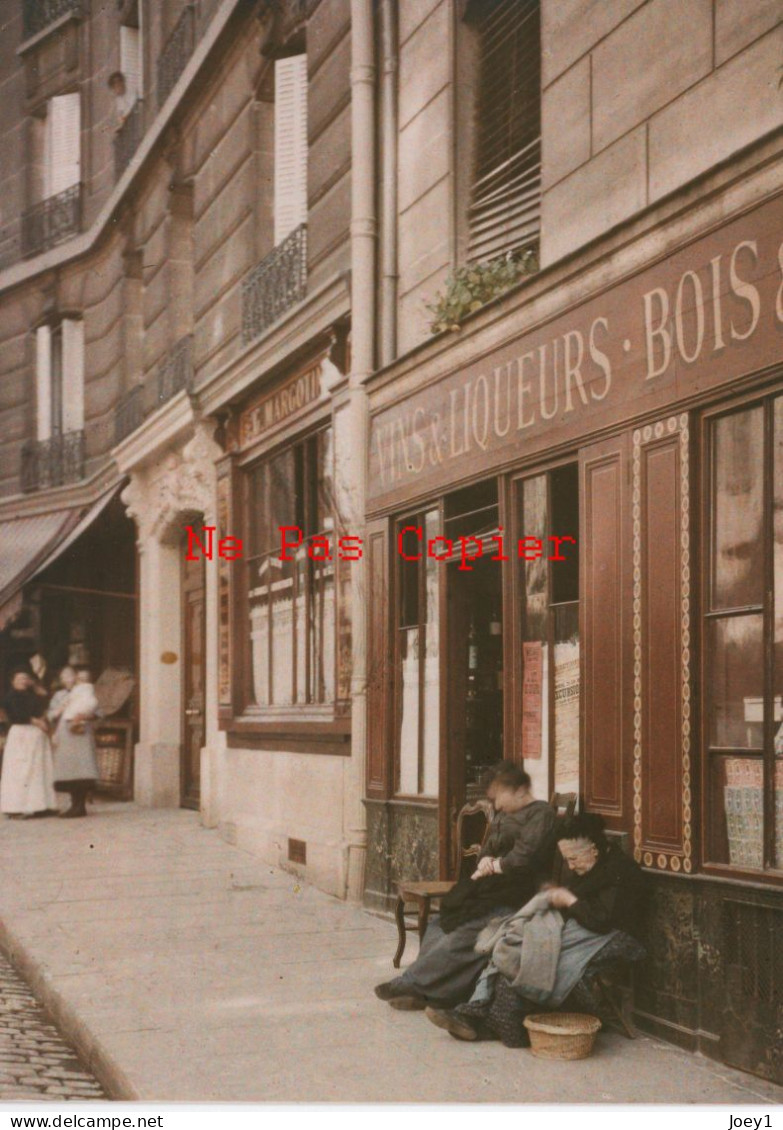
(95, 1058)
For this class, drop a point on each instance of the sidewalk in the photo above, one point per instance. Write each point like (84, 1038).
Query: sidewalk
(186, 969)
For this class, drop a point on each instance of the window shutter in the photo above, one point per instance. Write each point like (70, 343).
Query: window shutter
(505, 208)
(73, 375)
(63, 124)
(130, 61)
(43, 382)
(290, 145)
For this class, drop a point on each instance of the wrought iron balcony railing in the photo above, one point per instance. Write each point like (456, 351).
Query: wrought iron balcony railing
(176, 52)
(52, 221)
(38, 14)
(176, 371)
(128, 138)
(277, 283)
(129, 414)
(53, 462)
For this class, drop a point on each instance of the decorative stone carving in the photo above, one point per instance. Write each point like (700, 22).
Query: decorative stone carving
(182, 483)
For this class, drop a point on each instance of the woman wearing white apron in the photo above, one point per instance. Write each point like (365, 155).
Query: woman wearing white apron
(75, 768)
(26, 787)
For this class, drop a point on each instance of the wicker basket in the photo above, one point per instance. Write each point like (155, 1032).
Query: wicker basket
(562, 1035)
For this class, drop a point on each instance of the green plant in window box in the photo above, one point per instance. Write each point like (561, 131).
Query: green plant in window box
(471, 287)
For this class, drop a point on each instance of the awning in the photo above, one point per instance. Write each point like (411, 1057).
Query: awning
(30, 545)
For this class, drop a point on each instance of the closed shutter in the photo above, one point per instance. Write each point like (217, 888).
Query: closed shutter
(43, 382)
(63, 143)
(130, 61)
(73, 375)
(505, 208)
(290, 145)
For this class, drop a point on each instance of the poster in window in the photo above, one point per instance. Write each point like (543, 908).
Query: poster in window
(567, 716)
(532, 699)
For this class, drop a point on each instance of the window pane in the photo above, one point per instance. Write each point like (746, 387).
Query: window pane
(735, 682)
(322, 632)
(409, 572)
(777, 480)
(431, 664)
(325, 485)
(282, 495)
(259, 631)
(567, 698)
(738, 563)
(736, 800)
(301, 568)
(283, 627)
(408, 744)
(534, 594)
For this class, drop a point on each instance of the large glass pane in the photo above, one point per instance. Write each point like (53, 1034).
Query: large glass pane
(738, 507)
(326, 507)
(431, 752)
(534, 602)
(282, 495)
(301, 567)
(322, 632)
(737, 811)
(283, 627)
(259, 630)
(735, 682)
(777, 558)
(408, 743)
(567, 698)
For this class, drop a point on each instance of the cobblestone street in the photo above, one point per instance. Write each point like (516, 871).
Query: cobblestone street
(35, 1062)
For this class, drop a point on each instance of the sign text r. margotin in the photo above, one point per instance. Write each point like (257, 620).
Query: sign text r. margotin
(325, 547)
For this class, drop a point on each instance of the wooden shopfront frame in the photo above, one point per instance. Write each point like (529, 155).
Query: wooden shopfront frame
(632, 440)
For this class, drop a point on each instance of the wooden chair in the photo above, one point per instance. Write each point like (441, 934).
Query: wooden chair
(473, 821)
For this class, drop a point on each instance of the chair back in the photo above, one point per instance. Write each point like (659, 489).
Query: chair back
(473, 821)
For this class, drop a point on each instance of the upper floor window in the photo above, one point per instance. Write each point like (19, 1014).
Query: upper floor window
(505, 196)
(290, 145)
(59, 378)
(62, 144)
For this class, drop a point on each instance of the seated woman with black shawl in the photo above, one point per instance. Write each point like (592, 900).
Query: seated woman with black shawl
(539, 955)
(509, 868)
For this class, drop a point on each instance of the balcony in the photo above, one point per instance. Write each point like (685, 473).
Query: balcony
(128, 138)
(175, 54)
(176, 371)
(129, 414)
(39, 14)
(52, 221)
(53, 462)
(275, 285)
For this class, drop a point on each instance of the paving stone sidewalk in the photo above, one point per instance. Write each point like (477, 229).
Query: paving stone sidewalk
(35, 1062)
(183, 968)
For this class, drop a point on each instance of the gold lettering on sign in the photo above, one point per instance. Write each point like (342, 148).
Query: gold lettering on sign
(290, 398)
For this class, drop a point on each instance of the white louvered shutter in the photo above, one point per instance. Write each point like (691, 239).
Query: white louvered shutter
(73, 375)
(505, 209)
(63, 124)
(290, 145)
(130, 61)
(43, 382)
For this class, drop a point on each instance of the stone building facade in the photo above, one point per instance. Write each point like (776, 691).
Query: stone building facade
(224, 225)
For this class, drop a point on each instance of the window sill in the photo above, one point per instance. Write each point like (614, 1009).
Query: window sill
(303, 733)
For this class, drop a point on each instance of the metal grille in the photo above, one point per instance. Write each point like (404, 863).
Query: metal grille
(38, 14)
(297, 851)
(53, 462)
(129, 414)
(52, 221)
(128, 138)
(176, 372)
(752, 960)
(277, 283)
(505, 208)
(174, 57)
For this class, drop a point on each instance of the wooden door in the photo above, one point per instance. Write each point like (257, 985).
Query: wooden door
(193, 697)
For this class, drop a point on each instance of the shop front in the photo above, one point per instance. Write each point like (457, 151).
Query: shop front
(575, 559)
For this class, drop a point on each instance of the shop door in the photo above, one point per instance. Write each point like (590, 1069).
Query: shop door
(194, 622)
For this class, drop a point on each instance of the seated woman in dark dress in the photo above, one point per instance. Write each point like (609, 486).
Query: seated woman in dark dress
(540, 954)
(509, 868)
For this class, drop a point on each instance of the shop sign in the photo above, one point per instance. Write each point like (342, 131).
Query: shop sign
(708, 313)
(288, 400)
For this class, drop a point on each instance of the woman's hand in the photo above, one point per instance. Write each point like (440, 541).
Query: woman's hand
(486, 866)
(42, 726)
(561, 897)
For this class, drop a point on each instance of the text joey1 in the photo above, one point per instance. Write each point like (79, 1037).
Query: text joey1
(411, 545)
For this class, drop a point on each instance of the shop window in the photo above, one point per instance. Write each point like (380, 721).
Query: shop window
(505, 195)
(743, 638)
(547, 505)
(417, 715)
(290, 145)
(291, 603)
(59, 365)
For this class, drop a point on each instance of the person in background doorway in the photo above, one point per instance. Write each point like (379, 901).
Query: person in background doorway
(73, 709)
(26, 787)
(124, 99)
